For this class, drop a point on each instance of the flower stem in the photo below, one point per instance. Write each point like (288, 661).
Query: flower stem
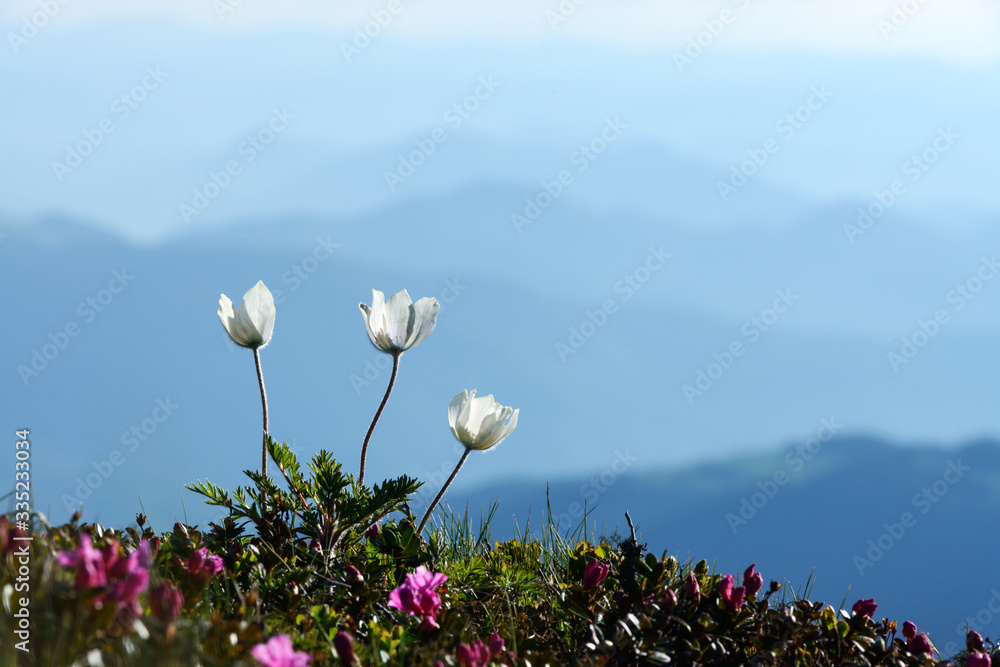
(427, 514)
(378, 413)
(263, 402)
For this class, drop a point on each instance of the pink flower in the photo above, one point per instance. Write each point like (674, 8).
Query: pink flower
(123, 578)
(670, 598)
(594, 573)
(89, 564)
(476, 655)
(978, 660)
(692, 586)
(127, 577)
(974, 641)
(865, 608)
(203, 567)
(166, 601)
(343, 644)
(909, 630)
(752, 581)
(496, 644)
(418, 596)
(733, 597)
(278, 652)
(479, 654)
(920, 644)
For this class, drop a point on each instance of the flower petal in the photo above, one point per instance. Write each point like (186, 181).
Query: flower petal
(425, 312)
(258, 306)
(398, 319)
(455, 408)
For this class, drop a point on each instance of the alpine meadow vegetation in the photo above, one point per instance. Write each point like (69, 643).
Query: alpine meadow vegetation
(312, 565)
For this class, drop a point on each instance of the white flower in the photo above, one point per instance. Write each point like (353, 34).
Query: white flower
(398, 324)
(480, 423)
(252, 325)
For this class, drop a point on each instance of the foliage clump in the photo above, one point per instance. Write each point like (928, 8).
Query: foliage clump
(324, 561)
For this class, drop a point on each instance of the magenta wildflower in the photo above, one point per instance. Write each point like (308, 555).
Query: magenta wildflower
(978, 660)
(974, 641)
(89, 564)
(909, 630)
(920, 644)
(166, 601)
(418, 596)
(123, 578)
(278, 652)
(594, 573)
(202, 566)
(479, 654)
(496, 644)
(343, 644)
(865, 608)
(475, 655)
(733, 597)
(752, 581)
(692, 586)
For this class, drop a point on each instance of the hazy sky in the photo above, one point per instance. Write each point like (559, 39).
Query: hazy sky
(955, 30)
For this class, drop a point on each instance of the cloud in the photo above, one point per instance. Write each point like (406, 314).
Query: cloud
(963, 30)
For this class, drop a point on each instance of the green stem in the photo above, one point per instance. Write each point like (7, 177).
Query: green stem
(263, 401)
(378, 413)
(444, 488)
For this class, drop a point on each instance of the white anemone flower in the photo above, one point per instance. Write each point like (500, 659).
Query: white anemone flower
(253, 324)
(396, 325)
(480, 423)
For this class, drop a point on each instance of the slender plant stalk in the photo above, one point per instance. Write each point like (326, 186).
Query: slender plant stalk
(378, 413)
(263, 402)
(427, 514)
